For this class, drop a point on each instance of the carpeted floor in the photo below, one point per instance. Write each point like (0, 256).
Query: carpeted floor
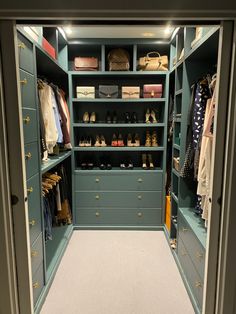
(117, 272)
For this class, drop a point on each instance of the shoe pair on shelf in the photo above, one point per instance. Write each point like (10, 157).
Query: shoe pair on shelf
(105, 163)
(85, 141)
(111, 118)
(100, 141)
(147, 162)
(151, 139)
(126, 165)
(133, 141)
(131, 117)
(89, 117)
(87, 165)
(117, 141)
(150, 116)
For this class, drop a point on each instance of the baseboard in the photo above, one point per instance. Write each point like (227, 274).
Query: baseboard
(101, 227)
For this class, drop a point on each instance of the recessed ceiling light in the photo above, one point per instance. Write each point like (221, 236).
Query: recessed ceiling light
(168, 29)
(68, 30)
(148, 34)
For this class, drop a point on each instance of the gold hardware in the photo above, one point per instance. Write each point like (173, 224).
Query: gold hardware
(140, 197)
(32, 222)
(198, 284)
(97, 197)
(21, 45)
(97, 214)
(152, 93)
(199, 255)
(30, 190)
(34, 253)
(97, 180)
(24, 81)
(184, 229)
(140, 180)
(26, 120)
(28, 155)
(183, 253)
(140, 214)
(36, 285)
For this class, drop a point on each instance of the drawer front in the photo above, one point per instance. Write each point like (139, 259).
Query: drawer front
(121, 216)
(30, 125)
(38, 283)
(194, 280)
(37, 254)
(27, 84)
(119, 199)
(196, 251)
(31, 159)
(26, 58)
(120, 182)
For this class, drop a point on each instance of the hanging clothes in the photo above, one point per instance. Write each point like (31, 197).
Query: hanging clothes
(56, 116)
(44, 152)
(65, 109)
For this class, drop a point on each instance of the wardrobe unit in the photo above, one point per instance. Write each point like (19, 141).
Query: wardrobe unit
(116, 198)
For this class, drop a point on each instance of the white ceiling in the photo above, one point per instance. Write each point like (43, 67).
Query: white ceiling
(108, 31)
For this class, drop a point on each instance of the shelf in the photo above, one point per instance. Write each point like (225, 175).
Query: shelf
(104, 100)
(117, 149)
(118, 125)
(118, 73)
(178, 92)
(196, 224)
(54, 161)
(176, 146)
(178, 119)
(175, 172)
(174, 197)
(118, 170)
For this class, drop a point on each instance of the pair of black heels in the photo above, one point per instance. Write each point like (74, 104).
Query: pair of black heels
(131, 117)
(87, 165)
(127, 165)
(111, 117)
(105, 163)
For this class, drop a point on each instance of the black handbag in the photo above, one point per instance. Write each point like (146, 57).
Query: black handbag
(108, 91)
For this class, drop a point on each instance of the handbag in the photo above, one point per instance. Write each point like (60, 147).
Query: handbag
(85, 64)
(85, 92)
(152, 91)
(130, 91)
(118, 60)
(153, 61)
(108, 91)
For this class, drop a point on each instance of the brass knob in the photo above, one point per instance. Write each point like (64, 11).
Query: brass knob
(97, 197)
(97, 180)
(199, 255)
(97, 214)
(30, 190)
(140, 214)
(24, 81)
(198, 284)
(184, 229)
(34, 253)
(21, 45)
(140, 197)
(26, 120)
(32, 222)
(28, 155)
(140, 180)
(36, 285)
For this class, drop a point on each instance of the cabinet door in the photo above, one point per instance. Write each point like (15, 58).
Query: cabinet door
(26, 58)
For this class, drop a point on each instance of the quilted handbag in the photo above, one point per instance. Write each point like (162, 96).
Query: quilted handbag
(153, 61)
(118, 60)
(108, 91)
(86, 64)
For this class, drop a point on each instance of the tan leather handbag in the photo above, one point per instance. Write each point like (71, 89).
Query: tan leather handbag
(153, 62)
(86, 64)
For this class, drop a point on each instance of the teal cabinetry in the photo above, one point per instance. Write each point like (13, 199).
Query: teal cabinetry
(31, 159)
(36, 253)
(30, 125)
(26, 56)
(38, 282)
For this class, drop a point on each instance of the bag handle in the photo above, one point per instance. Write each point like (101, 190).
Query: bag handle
(153, 53)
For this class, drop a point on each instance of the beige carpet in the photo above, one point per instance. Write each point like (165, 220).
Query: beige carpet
(117, 272)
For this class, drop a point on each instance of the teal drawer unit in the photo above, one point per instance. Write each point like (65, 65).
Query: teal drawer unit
(192, 244)
(31, 159)
(30, 125)
(136, 199)
(118, 216)
(26, 57)
(36, 253)
(194, 280)
(119, 182)
(38, 282)
(28, 91)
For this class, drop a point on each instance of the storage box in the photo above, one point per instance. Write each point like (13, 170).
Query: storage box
(85, 91)
(130, 91)
(152, 91)
(49, 48)
(108, 91)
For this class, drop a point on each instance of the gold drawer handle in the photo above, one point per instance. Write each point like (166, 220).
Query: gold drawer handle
(199, 255)
(97, 197)
(28, 155)
(198, 284)
(97, 214)
(140, 180)
(97, 180)
(21, 45)
(26, 120)
(34, 253)
(140, 214)
(24, 81)
(140, 197)
(36, 285)
(30, 190)
(184, 229)
(32, 222)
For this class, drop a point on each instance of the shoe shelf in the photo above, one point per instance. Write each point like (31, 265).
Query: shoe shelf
(97, 170)
(121, 100)
(118, 73)
(121, 148)
(118, 125)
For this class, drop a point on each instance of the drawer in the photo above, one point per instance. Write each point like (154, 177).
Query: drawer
(36, 254)
(194, 280)
(30, 125)
(195, 249)
(113, 182)
(38, 283)
(25, 49)
(119, 199)
(31, 159)
(28, 90)
(121, 216)
(34, 208)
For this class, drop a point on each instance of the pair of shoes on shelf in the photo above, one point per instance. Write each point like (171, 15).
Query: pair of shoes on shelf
(85, 142)
(131, 117)
(105, 163)
(150, 116)
(147, 162)
(173, 243)
(117, 141)
(100, 141)
(87, 165)
(127, 165)
(89, 117)
(133, 141)
(151, 139)
(111, 118)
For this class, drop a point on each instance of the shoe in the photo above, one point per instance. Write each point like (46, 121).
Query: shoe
(114, 141)
(134, 117)
(84, 166)
(97, 141)
(154, 139)
(127, 117)
(144, 161)
(86, 117)
(148, 142)
(108, 117)
(88, 142)
(136, 140)
(153, 117)
(120, 141)
(147, 116)
(102, 141)
(130, 165)
(129, 140)
(90, 165)
(82, 142)
(114, 117)
(93, 117)
(151, 165)
(102, 165)
(122, 166)
(108, 163)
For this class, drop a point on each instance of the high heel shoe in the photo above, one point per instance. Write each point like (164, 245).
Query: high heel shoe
(154, 139)
(114, 141)
(97, 141)
(88, 142)
(153, 117)
(108, 117)
(129, 140)
(120, 141)
(93, 117)
(86, 117)
(151, 165)
(147, 116)
(136, 140)
(148, 142)
(82, 142)
(134, 117)
(102, 141)
(114, 117)
(144, 161)
(127, 117)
